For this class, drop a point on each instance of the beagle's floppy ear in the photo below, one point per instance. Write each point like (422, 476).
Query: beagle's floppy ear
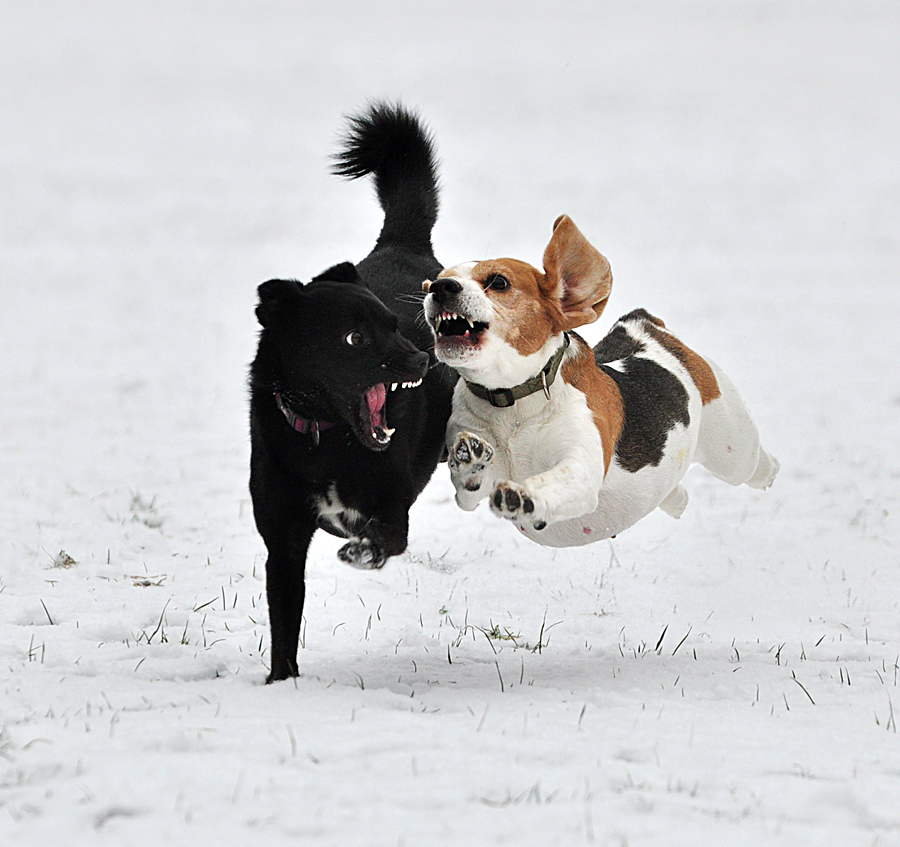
(577, 274)
(272, 295)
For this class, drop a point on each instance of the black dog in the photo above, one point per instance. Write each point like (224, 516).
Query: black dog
(347, 411)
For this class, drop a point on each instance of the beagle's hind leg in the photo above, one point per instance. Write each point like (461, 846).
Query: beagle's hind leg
(728, 444)
(676, 501)
(766, 470)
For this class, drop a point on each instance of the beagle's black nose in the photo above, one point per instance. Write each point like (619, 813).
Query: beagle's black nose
(444, 287)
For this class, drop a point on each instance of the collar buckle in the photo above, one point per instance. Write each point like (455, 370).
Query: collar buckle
(502, 398)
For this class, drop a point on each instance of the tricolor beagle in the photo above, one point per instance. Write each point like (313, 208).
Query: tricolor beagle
(571, 444)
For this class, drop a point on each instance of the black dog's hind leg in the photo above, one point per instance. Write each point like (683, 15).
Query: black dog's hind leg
(287, 544)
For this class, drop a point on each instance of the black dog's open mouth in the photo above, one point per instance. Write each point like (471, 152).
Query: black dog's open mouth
(454, 330)
(372, 425)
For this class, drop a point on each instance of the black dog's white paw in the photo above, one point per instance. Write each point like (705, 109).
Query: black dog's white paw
(513, 502)
(468, 458)
(363, 553)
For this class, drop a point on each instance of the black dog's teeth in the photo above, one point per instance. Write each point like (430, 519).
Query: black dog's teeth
(382, 435)
(413, 384)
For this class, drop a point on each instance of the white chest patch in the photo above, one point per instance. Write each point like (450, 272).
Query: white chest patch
(336, 518)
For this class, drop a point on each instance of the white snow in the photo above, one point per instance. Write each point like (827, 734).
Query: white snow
(727, 679)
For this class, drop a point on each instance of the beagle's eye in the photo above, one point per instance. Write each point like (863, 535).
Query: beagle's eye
(355, 338)
(496, 282)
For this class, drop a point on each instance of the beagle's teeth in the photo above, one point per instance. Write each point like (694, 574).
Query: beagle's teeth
(471, 323)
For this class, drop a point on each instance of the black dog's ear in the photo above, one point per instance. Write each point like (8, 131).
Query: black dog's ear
(272, 294)
(344, 272)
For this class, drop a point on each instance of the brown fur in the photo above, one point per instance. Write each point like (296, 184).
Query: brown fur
(578, 275)
(572, 291)
(602, 393)
(699, 369)
(525, 316)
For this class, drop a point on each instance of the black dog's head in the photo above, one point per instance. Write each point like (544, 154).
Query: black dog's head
(332, 351)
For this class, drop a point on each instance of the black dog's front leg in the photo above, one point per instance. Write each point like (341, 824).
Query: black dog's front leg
(286, 593)
(377, 542)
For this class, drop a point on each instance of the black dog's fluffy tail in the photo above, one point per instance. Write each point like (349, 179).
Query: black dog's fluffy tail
(391, 142)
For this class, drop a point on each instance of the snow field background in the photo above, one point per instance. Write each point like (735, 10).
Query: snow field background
(730, 678)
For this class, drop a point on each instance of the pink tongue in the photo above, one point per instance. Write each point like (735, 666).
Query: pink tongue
(375, 398)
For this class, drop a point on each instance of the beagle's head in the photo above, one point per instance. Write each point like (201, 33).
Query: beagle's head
(496, 320)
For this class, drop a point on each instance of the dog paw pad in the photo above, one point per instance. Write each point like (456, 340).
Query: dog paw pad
(363, 554)
(481, 448)
(462, 452)
(469, 449)
(510, 500)
(468, 459)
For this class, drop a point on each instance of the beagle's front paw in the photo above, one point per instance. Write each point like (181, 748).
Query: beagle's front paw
(513, 501)
(468, 459)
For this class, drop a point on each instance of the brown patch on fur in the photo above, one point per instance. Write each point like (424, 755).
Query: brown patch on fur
(578, 274)
(696, 365)
(573, 289)
(602, 393)
(523, 315)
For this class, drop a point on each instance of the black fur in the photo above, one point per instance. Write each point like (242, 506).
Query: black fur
(654, 398)
(304, 356)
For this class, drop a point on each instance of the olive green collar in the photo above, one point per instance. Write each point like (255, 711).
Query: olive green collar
(503, 398)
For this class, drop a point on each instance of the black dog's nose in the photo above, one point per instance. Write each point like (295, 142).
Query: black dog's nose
(420, 363)
(444, 287)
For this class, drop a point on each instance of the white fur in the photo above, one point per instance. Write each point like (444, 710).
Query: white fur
(496, 363)
(550, 452)
(552, 445)
(332, 509)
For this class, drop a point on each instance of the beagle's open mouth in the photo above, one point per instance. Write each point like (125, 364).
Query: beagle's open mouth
(454, 330)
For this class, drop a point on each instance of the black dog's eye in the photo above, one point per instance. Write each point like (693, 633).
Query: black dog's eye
(496, 282)
(355, 338)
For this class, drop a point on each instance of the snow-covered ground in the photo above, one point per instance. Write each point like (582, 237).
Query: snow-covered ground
(728, 679)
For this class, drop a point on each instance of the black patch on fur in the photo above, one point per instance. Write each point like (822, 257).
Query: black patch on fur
(642, 315)
(617, 344)
(654, 398)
